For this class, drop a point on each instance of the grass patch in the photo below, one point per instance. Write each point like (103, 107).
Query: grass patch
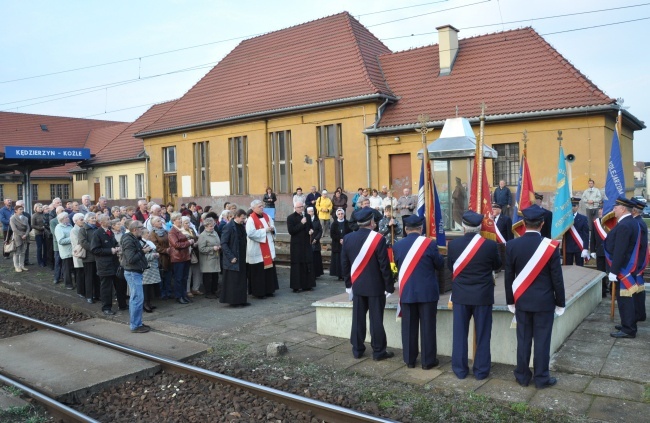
(646, 394)
(519, 407)
(12, 390)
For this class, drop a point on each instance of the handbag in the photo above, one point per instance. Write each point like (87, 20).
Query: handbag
(79, 251)
(193, 257)
(9, 246)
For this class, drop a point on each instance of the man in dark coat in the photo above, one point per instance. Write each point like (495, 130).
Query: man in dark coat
(302, 272)
(576, 239)
(503, 197)
(472, 295)
(105, 248)
(597, 247)
(548, 216)
(369, 280)
(621, 248)
(418, 260)
(642, 262)
(533, 294)
(310, 201)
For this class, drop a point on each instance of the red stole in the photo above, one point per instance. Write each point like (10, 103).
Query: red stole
(410, 262)
(264, 246)
(468, 254)
(576, 237)
(367, 250)
(535, 265)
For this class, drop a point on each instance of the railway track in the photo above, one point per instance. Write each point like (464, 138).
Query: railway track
(318, 409)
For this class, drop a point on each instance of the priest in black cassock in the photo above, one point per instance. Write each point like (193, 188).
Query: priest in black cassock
(302, 276)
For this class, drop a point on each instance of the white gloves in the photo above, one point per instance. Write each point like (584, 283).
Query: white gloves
(348, 290)
(559, 310)
(612, 277)
(387, 294)
(511, 308)
(593, 256)
(585, 254)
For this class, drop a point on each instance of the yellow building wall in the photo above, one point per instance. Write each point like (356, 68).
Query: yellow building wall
(99, 174)
(304, 170)
(588, 138)
(10, 189)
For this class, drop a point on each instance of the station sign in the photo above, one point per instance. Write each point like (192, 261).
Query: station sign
(47, 153)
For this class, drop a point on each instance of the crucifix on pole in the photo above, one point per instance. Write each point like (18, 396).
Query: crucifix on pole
(424, 130)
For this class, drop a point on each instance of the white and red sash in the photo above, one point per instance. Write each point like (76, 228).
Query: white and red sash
(535, 265)
(263, 223)
(500, 238)
(600, 231)
(410, 261)
(468, 254)
(576, 237)
(367, 250)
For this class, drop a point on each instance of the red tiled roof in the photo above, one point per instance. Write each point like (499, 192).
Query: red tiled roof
(100, 137)
(123, 145)
(512, 72)
(62, 172)
(323, 60)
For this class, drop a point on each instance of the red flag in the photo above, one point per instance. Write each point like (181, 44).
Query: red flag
(484, 205)
(526, 198)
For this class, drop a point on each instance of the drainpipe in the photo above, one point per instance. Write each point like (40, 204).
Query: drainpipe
(374, 126)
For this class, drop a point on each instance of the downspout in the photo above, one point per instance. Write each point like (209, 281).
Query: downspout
(374, 126)
(147, 194)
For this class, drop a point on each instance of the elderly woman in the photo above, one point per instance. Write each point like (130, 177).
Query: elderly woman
(38, 224)
(179, 253)
(376, 201)
(195, 278)
(151, 275)
(234, 290)
(134, 262)
(209, 248)
(340, 200)
(314, 240)
(225, 217)
(120, 284)
(260, 252)
(160, 239)
(339, 229)
(20, 227)
(62, 236)
(91, 279)
(116, 213)
(78, 254)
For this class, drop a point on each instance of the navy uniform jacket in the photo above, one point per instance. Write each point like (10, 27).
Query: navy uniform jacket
(644, 243)
(422, 286)
(504, 223)
(475, 284)
(376, 277)
(619, 243)
(547, 291)
(596, 244)
(582, 226)
(548, 223)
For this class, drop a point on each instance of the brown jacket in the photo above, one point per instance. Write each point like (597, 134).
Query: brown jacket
(179, 246)
(162, 248)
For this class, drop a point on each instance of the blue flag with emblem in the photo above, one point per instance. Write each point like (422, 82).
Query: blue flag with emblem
(431, 212)
(562, 211)
(615, 181)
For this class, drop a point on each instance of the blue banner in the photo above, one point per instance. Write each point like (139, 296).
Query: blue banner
(615, 181)
(47, 153)
(434, 221)
(562, 211)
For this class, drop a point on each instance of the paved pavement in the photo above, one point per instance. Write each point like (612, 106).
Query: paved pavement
(598, 376)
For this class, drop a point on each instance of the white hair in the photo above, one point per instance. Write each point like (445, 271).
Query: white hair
(254, 203)
(62, 216)
(471, 229)
(77, 217)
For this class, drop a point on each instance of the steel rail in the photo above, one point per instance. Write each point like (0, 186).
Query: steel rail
(54, 407)
(320, 409)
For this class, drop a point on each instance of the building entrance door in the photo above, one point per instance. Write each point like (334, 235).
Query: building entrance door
(400, 173)
(97, 191)
(170, 191)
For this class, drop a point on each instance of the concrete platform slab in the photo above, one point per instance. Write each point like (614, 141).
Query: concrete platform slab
(450, 381)
(416, 376)
(339, 360)
(627, 363)
(8, 400)
(153, 342)
(369, 367)
(506, 391)
(571, 382)
(65, 368)
(615, 410)
(616, 389)
(566, 402)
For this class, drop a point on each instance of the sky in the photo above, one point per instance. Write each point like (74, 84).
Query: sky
(113, 60)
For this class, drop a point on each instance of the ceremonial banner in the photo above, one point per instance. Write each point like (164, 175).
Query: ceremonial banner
(482, 205)
(614, 182)
(562, 211)
(431, 212)
(525, 197)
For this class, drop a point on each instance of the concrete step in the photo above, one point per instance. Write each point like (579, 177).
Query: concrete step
(69, 370)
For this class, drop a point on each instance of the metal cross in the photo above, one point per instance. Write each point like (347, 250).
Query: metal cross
(423, 119)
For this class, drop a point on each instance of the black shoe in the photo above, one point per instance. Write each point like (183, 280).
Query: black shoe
(147, 309)
(410, 366)
(182, 301)
(523, 384)
(109, 312)
(90, 301)
(188, 299)
(551, 382)
(358, 356)
(141, 329)
(618, 327)
(270, 295)
(621, 334)
(295, 291)
(384, 356)
(432, 365)
(27, 263)
(245, 304)
(153, 307)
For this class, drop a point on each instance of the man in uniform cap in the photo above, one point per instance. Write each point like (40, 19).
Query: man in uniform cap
(576, 239)
(642, 261)
(503, 224)
(597, 247)
(368, 278)
(533, 293)
(417, 259)
(472, 259)
(621, 248)
(548, 216)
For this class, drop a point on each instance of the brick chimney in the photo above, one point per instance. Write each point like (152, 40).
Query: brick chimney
(447, 48)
